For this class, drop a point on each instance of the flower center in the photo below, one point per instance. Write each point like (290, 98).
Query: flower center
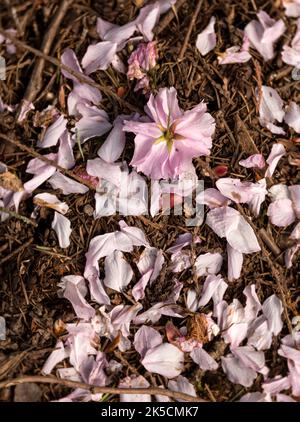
(167, 136)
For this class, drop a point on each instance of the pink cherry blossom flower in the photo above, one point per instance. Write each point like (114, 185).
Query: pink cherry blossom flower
(168, 143)
(142, 60)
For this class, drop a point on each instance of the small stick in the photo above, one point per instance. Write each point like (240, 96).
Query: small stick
(18, 216)
(46, 160)
(35, 83)
(167, 19)
(16, 251)
(269, 241)
(189, 31)
(99, 390)
(80, 76)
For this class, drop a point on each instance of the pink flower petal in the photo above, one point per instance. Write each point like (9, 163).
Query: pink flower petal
(253, 161)
(165, 359)
(114, 144)
(182, 385)
(272, 309)
(277, 152)
(292, 116)
(281, 212)
(118, 272)
(53, 133)
(62, 226)
(99, 56)
(203, 359)
(264, 33)
(207, 39)
(134, 381)
(270, 109)
(146, 338)
(74, 289)
(292, 8)
(59, 354)
(66, 185)
(227, 222)
(209, 263)
(235, 263)
(237, 372)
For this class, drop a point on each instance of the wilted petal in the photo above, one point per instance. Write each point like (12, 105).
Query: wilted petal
(294, 192)
(255, 398)
(146, 338)
(50, 201)
(165, 359)
(62, 226)
(207, 39)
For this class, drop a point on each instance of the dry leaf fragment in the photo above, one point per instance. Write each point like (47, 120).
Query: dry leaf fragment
(11, 182)
(198, 328)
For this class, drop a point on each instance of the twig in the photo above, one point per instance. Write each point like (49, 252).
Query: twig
(269, 241)
(16, 251)
(99, 390)
(167, 19)
(46, 160)
(80, 76)
(189, 31)
(18, 216)
(35, 83)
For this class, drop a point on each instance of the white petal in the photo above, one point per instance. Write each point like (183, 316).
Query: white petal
(209, 263)
(207, 39)
(237, 372)
(165, 359)
(146, 338)
(118, 272)
(235, 263)
(272, 309)
(203, 359)
(62, 227)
